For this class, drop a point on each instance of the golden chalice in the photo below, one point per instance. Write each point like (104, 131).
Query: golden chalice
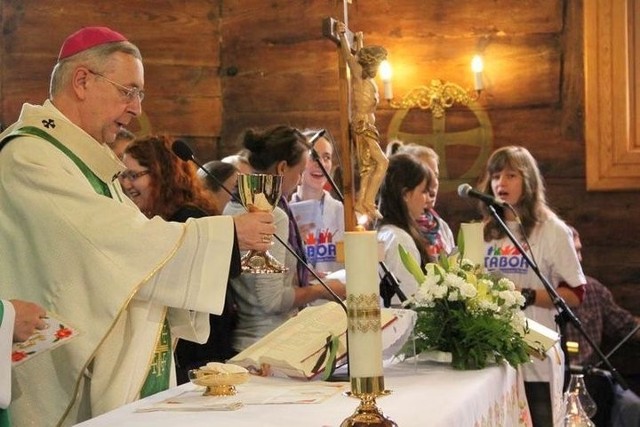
(260, 192)
(219, 379)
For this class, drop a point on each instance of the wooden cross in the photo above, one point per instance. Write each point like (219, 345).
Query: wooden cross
(344, 90)
(363, 64)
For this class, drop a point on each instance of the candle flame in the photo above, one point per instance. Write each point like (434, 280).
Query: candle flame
(385, 71)
(477, 64)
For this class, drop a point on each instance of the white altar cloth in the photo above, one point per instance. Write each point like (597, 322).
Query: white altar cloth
(426, 394)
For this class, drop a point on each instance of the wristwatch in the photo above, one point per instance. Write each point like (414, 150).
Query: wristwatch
(529, 297)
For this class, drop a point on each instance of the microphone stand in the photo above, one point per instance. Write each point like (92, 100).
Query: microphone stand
(622, 341)
(389, 285)
(564, 312)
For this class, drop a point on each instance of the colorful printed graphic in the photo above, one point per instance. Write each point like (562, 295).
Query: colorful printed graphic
(320, 246)
(506, 258)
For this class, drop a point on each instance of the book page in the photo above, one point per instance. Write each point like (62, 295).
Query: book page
(298, 338)
(294, 347)
(307, 213)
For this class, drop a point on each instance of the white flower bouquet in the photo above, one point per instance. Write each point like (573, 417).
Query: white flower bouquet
(466, 311)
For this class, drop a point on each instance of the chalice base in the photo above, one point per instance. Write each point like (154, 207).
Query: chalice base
(220, 390)
(259, 262)
(367, 414)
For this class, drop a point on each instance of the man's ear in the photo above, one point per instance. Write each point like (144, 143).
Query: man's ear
(79, 82)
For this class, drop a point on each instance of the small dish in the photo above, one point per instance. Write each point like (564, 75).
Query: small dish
(219, 379)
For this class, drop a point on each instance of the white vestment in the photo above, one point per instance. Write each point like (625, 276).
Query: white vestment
(102, 266)
(6, 341)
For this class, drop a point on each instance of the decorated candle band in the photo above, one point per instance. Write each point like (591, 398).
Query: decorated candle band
(363, 312)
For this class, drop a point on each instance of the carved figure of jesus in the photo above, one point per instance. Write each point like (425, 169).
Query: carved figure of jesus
(372, 161)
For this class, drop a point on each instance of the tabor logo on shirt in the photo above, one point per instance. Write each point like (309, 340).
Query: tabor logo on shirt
(320, 246)
(506, 258)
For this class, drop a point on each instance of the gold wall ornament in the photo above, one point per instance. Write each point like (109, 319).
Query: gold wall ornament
(479, 137)
(437, 97)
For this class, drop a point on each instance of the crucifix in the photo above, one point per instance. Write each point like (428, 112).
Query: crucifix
(358, 95)
(358, 101)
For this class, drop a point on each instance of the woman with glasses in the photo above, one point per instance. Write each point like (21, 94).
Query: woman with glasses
(162, 184)
(159, 183)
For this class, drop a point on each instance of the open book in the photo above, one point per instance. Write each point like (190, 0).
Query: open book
(539, 339)
(299, 347)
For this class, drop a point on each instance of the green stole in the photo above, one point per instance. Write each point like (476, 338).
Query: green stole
(158, 374)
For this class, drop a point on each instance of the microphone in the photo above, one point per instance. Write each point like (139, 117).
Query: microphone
(184, 152)
(315, 137)
(465, 190)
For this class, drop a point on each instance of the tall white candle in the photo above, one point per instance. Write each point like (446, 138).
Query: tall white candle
(363, 303)
(477, 80)
(477, 66)
(474, 246)
(388, 90)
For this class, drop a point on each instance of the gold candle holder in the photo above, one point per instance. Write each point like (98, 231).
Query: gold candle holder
(367, 413)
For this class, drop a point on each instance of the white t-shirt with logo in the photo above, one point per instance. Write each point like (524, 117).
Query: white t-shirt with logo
(551, 244)
(321, 223)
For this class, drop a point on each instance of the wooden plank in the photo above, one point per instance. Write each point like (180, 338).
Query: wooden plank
(186, 31)
(233, 128)
(265, 76)
(194, 116)
(396, 18)
(446, 18)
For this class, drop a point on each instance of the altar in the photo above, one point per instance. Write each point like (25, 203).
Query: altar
(422, 394)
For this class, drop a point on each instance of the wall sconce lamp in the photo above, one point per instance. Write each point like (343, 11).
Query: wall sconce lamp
(439, 95)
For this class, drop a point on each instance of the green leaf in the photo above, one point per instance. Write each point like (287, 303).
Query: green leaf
(460, 243)
(411, 264)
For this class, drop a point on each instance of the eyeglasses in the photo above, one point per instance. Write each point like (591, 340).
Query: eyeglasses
(130, 93)
(132, 175)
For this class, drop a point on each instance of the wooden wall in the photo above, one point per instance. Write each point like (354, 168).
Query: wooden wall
(215, 67)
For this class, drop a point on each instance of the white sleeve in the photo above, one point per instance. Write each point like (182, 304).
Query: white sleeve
(566, 267)
(391, 238)
(6, 341)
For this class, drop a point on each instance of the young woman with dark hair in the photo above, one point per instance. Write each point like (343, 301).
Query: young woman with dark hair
(402, 198)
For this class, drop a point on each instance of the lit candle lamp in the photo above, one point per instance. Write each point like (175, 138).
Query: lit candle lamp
(477, 66)
(385, 75)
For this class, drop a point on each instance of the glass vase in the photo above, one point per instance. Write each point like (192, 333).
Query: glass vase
(574, 413)
(578, 386)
